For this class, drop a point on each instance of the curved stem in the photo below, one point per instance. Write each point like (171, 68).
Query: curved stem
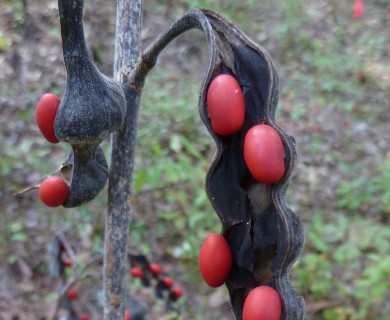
(193, 19)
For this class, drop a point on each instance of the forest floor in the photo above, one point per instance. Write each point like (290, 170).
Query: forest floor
(335, 93)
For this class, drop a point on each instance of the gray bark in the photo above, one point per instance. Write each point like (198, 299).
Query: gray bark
(127, 53)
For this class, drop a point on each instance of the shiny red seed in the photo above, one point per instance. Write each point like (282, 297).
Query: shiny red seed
(263, 303)
(215, 260)
(53, 191)
(264, 154)
(225, 105)
(45, 115)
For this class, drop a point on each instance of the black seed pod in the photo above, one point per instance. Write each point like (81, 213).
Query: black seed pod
(90, 172)
(264, 235)
(93, 105)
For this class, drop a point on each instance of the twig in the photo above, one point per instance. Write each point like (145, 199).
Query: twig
(193, 19)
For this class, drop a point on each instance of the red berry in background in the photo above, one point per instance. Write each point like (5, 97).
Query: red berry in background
(53, 191)
(262, 303)
(127, 315)
(264, 154)
(84, 316)
(68, 262)
(226, 105)
(177, 292)
(155, 269)
(361, 76)
(215, 260)
(168, 282)
(358, 9)
(72, 294)
(45, 114)
(136, 272)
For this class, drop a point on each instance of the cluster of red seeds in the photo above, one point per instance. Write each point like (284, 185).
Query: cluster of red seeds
(264, 157)
(53, 191)
(263, 147)
(163, 281)
(72, 293)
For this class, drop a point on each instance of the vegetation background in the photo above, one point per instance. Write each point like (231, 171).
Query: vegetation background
(335, 93)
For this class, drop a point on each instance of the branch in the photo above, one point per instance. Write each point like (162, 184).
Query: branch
(127, 52)
(193, 19)
(128, 37)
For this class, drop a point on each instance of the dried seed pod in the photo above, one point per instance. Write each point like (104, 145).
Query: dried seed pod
(264, 235)
(93, 105)
(90, 172)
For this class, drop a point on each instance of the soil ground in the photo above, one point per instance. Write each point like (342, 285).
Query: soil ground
(31, 64)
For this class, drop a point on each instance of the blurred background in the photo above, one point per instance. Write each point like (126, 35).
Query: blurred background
(335, 93)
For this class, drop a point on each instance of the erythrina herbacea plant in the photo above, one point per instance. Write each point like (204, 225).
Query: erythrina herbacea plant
(247, 180)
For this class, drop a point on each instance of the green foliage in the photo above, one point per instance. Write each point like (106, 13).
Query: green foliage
(346, 259)
(362, 192)
(171, 168)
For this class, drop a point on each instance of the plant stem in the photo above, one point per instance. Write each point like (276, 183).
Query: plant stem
(193, 19)
(127, 53)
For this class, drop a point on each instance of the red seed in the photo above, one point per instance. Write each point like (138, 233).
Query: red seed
(127, 315)
(168, 282)
(45, 115)
(215, 260)
(84, 316)
(136, 272)
(358, 9)
(53, 191)
(177, 292)
(262, 303)
(264, 154)
(68, 262)
(72, 294)
(225, 105)
(155, 269)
